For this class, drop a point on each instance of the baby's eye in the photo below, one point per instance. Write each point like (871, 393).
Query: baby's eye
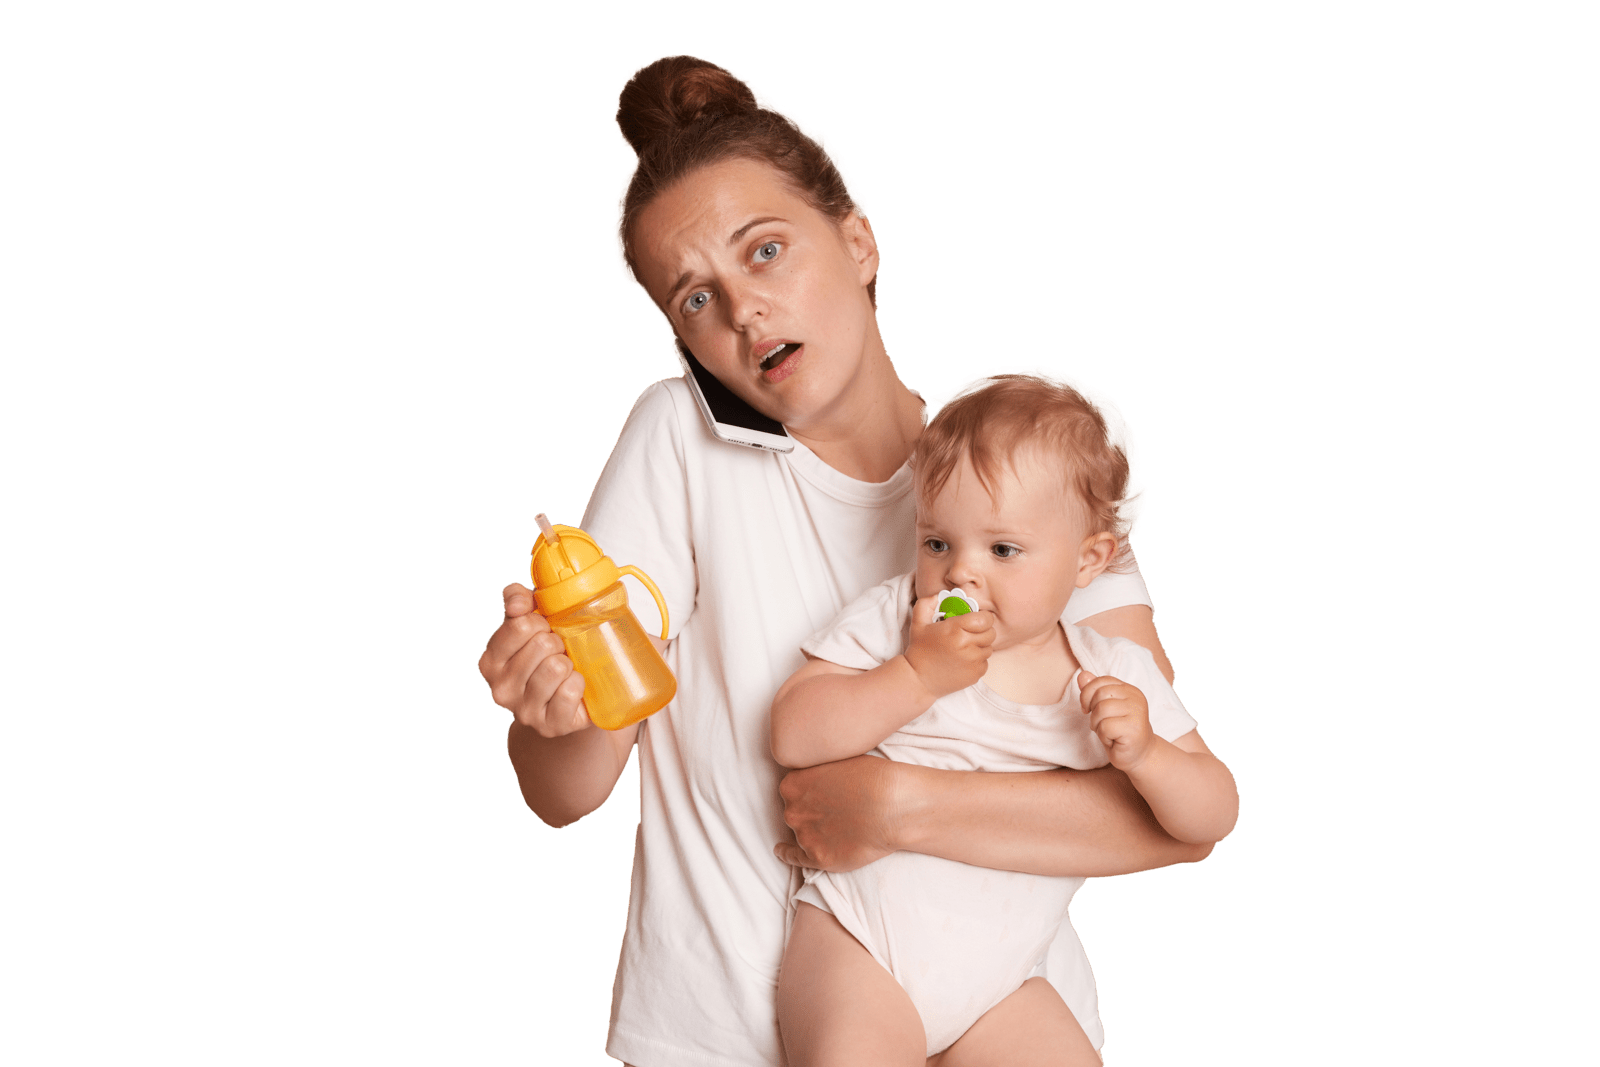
(696, 301)
(767, 252)
(1004, 551)
(934, 545)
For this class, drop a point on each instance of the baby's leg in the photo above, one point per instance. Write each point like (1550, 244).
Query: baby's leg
(1033, 1027)
(837, 1006)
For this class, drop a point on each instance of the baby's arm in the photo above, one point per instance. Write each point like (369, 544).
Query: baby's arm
(826, 712)
(1190, 791)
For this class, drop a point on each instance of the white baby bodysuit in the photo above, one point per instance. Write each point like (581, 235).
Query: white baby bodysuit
(753, 551)
(959, 938)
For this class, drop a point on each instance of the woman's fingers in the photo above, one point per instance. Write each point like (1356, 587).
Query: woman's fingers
(514, 633)
(564, 712)
(837, 812)
(528, 672)
(518, 599)
(509, 678)
(552, 701)
(541, 678)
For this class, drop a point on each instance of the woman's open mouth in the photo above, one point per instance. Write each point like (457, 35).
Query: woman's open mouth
(779, 354)
(781, 361)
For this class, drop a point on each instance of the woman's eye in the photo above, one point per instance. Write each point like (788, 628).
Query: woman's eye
(933, 544)
(767, 252)
(1005, 551)
(696, 301)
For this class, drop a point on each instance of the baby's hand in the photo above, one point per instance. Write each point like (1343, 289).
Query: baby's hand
(951, 654)
(1119, 716)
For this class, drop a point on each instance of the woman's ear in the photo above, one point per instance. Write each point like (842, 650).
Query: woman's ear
(1094, 556)
(861, 244)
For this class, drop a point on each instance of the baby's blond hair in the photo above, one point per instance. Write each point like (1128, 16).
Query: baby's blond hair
(995, 419)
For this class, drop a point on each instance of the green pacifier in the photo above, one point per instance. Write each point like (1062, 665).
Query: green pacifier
(954, 602)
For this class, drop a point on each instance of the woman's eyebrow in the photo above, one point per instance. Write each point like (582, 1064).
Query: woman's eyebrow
(752, 224)
(683, 279)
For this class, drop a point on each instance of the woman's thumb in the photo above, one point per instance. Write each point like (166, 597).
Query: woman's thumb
(519, 599)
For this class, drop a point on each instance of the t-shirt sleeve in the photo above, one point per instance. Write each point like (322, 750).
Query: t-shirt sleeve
(870, 630)
(1109, 590)
(639, 511)
(1134, 664)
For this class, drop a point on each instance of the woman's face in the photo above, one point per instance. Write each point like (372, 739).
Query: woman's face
(767, 292)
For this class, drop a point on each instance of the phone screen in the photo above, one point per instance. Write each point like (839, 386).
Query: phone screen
(725, 406)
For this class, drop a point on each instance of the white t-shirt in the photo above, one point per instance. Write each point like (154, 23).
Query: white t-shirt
(753, 551)
(959, 939)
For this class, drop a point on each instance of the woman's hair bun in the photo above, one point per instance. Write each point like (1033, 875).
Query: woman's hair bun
(681, 114)
(676, 92)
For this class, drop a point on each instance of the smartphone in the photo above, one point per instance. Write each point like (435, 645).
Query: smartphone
(731, 419)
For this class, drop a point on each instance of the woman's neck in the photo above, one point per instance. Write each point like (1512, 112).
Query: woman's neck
(871, 433)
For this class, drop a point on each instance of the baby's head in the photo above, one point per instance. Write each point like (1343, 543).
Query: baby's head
(1018, 491)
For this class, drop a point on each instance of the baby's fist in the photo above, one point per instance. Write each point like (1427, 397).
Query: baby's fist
(1119, 716)
(950, 654)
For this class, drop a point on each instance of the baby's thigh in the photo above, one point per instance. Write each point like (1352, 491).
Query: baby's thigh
(1033, 1027)
(837, 1006)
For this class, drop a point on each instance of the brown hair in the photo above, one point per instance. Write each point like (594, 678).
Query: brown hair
(990, 423)
(682, 113)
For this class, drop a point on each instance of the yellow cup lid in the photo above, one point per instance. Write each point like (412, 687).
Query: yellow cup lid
(569, 571)
(572, 569)
(572, 552)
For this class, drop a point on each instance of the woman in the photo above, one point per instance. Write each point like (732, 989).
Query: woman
(741, 231)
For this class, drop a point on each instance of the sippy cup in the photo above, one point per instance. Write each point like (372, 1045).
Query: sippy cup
(580, 592)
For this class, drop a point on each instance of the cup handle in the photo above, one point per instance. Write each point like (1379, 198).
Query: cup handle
(661, 605)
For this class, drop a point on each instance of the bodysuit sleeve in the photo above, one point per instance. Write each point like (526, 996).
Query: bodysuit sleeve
(870, 630)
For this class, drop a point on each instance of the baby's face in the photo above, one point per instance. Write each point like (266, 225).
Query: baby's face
(1019, 553)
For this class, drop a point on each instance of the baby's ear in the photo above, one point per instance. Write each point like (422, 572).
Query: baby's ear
(1094, 556)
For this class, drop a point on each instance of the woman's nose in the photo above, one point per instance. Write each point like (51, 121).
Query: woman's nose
(746, 302)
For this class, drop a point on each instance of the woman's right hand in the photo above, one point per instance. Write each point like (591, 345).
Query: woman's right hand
(529, 673)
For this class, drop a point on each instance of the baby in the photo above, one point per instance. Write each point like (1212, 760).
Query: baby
(1017, 488)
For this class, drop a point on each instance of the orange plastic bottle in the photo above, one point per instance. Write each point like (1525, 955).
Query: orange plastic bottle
(579, 590)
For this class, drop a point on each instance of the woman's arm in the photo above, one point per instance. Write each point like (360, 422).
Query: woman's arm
(1137, 623)
(566, 766)
(1087, 823)
(565, 778)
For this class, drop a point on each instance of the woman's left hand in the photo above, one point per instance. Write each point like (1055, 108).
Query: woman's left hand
(844, 815)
